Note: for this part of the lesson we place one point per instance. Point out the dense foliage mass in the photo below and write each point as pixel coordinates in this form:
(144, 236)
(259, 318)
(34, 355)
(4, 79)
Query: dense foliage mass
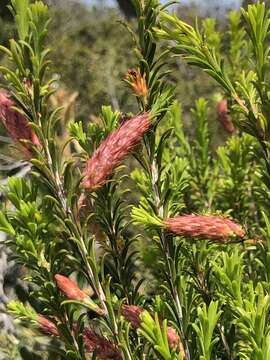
(135, 239)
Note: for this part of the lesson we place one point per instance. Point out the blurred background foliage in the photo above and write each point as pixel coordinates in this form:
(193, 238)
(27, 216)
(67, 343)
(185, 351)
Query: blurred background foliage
(92, 52)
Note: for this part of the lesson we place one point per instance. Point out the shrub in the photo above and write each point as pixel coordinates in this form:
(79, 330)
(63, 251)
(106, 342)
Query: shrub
(77, 223)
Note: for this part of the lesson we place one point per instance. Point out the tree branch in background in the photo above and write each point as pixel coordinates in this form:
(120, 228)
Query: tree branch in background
(4, 11)
(127, 8)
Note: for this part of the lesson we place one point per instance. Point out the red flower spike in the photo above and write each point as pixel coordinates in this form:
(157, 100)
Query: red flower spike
(113, 150)
(69, 288)
(204, 226)
(16, 125)
(224, 118)
(132, 314)
(105, 349)
(47, 326)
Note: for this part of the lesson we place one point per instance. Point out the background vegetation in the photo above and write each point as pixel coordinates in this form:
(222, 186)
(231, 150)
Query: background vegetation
(217, 165)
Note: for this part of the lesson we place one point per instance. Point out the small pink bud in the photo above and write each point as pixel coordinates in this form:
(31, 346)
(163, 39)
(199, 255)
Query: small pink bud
(47, 326)
(175, 342)
(173, 338)
(204, 226)
(69, 288)
(224, 117)
(16, 125)
(105, 349)
(73, 292)
(113, 150)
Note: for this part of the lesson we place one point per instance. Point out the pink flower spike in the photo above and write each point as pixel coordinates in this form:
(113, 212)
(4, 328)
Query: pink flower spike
(16, 125)
(204, 226)
(113, 150)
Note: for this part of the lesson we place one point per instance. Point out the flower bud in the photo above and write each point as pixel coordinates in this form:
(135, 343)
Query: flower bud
(224, 118)
(137, 82)
(47, 326)
(16, 125)
(175, 342)
(132, 314)
(105, 349)
(173, 338)
(204, 226)
(69, 288)
(73, 292)
(113, 150)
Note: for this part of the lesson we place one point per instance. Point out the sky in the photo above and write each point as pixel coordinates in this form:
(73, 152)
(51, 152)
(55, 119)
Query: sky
(205, 3)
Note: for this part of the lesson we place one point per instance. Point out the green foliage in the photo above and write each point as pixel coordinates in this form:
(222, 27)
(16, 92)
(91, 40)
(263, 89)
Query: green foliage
(18, 309)
(156, 334)
(213, 296)
(19, 9)
(207, 320)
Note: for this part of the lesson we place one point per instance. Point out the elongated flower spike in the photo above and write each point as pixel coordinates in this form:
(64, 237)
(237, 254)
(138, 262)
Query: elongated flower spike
(16, 125)
(132, 314)
(73, 292)
(215, 228)
(204, 226)
(104, 348)
(113, 150)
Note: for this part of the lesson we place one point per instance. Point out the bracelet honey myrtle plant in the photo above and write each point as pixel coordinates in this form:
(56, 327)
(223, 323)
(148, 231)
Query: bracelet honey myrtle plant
(59, 212)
